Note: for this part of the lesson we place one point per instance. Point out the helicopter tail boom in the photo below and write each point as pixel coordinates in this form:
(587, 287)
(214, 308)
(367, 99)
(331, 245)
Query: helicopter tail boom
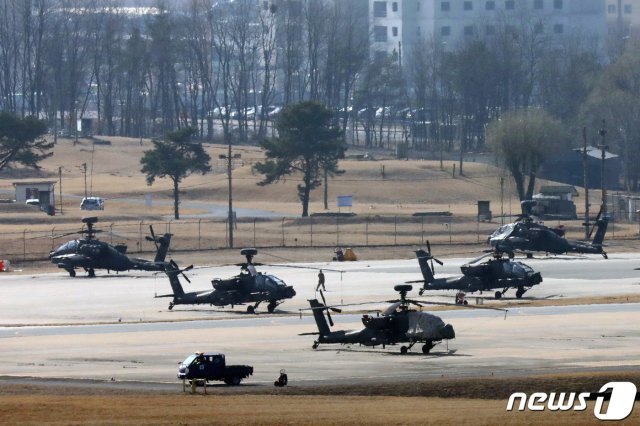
(423, 261)
(175, 281)
(318, 315)
(601, 230)
(163, 248)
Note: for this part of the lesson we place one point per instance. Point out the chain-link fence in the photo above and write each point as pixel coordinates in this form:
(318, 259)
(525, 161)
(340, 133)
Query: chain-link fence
(35, 242)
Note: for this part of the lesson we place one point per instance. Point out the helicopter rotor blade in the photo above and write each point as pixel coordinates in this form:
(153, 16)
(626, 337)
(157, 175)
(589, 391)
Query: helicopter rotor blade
(153, 236)
(328, 310)
(431, 257)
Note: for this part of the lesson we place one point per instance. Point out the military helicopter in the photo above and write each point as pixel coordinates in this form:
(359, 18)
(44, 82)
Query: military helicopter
(528, 234)
(397, 324)
(249, 286)
(497, 272)
(90, 253)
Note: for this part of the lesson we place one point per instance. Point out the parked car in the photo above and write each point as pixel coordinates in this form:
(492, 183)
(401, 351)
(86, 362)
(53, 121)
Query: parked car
(92, 203)
(33, 202)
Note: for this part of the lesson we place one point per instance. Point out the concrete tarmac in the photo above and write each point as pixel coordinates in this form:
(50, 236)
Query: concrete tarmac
(112, 327)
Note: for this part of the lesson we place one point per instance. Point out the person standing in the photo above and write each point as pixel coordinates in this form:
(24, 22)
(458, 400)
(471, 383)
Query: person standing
(320, 281)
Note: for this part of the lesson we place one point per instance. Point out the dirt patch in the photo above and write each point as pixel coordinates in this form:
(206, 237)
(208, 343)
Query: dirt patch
(480, 400)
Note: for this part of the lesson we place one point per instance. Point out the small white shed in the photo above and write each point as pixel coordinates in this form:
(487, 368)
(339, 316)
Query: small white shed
(43, 190)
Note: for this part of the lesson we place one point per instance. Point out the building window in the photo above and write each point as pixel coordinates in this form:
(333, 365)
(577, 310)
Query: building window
(538, 28)
(394, 31)
(468, 30)
(490, 30)
(379, 9)
(490, 5)
(467, 5)
(380, 34)
(558, 28)
(538, 4)
(627, 9)
(557, 4)
(445, 31)
(509, 4)
(394, 6)
(611, 9)
(445, 6)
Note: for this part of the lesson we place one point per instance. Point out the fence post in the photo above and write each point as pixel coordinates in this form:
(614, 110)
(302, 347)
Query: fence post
(283, 232)
(337, 231)
(53, 240)
(421, 230)
(311, 230)
(140, 237)
(254, 231)
(199, 234)
(111, 233)
(24, 245)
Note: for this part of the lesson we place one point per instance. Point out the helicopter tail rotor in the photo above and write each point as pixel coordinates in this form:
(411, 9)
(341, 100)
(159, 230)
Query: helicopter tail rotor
(324, 303)
(177, 270)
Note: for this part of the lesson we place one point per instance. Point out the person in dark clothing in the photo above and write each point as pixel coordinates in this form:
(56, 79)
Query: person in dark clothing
(320, 281)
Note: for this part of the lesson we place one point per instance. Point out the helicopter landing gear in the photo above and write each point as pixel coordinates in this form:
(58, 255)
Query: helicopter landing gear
(498, 295)
(529, 255)
(315, 344)
(520, 292)
(511, 255)
(72, 272)
(421, 291)
(405, 349)
(426, 348)
(272, 306)
(170, 305)
(251, 309)
(92, 273)
(604, 254)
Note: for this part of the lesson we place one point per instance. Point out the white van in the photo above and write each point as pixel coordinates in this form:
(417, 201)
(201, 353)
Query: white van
(92, 203)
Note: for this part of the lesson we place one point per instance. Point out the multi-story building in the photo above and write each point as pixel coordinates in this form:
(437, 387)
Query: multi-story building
(623, 17)
(396, 25)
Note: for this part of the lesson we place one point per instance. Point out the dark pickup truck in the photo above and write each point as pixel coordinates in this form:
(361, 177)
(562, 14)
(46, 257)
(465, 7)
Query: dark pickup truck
(202, 367)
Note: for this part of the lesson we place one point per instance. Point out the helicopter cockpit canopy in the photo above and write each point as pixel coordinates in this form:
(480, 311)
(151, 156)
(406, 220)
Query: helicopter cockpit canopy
(517, 269)
(68, 247)
(504, 231)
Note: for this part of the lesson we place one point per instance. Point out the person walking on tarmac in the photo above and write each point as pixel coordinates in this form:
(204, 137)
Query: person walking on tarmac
(320, 281)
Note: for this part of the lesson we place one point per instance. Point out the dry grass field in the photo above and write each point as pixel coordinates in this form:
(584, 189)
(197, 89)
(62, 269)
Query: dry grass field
(477, 401)
(384, 204)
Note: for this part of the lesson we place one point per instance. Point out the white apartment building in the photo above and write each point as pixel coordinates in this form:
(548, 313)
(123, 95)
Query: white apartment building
(396, 25)
(623, 17)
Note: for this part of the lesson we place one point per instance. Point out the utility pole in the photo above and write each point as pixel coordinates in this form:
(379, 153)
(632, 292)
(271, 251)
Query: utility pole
(60, 186)
(84, 170)
(585, 164)
(603, 147)
(230, 218)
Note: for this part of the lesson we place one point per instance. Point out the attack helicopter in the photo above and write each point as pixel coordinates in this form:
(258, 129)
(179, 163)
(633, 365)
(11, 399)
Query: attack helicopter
(497, 272)
(399, 323)
(89, 253)
(527, 234)
(249, 286)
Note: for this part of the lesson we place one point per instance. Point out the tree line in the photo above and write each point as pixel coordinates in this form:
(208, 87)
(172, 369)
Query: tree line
(200, 62)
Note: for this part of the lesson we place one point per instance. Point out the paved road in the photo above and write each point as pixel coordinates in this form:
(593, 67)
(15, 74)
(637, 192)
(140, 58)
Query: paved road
(150, 341)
